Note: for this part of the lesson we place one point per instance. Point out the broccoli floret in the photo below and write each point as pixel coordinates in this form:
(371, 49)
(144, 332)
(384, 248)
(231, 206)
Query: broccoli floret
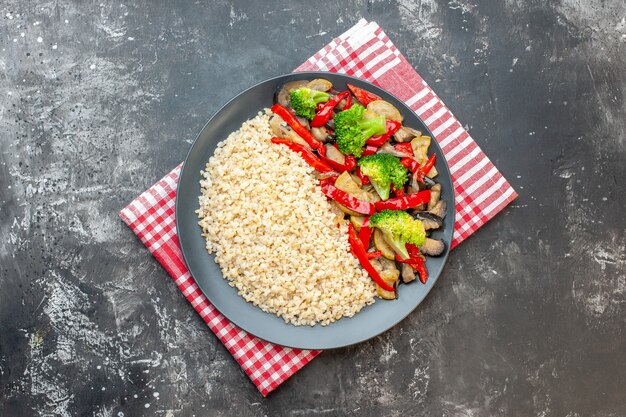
(383, 170)
(304, 101)
(399, 228)
(353, 130)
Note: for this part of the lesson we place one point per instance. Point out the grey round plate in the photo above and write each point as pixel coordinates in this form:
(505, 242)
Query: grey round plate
(372, 320)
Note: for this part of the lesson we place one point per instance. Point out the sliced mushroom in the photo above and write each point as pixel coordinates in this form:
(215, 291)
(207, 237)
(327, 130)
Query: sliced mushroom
(435, 194)
(408, 273)
(406, 134)
(282, 97)
(382, 245)
(322, 134)
(283, 130)
(439, 209)
(320, 84)
(429, 220)
(386, 109)
(432, 247)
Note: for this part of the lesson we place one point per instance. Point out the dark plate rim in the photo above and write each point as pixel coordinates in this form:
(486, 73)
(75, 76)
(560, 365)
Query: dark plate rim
(451, 211)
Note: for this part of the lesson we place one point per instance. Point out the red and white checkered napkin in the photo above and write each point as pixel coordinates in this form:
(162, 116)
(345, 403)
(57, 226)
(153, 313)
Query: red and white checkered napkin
(366, 52)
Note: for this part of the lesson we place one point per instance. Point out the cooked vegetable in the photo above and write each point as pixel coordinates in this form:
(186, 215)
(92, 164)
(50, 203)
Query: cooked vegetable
(365, 234)
(432, 247)
(281, 129)
(435, 194)
(382, 245)
(406, 134)
(429, 220)
(319, 84)
(353, 130)
(345, 199)
(305, 153)
(416, 261)
(365, 97)
(385, 109)
(346, 183)
(302, 131)
(408, 273)
(360, 253)
(283, 95)
(338, 161)
(390, 275)
(399, 228)
(324, 114)
(378, 141)
(439, 209)
(383, 171)
(304, 101)
(404, 203)
(322, 134)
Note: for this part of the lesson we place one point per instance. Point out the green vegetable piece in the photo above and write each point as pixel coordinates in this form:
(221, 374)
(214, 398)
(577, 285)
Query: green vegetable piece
(399, 228)
(353, 130)
(304, 101)
(384, 170)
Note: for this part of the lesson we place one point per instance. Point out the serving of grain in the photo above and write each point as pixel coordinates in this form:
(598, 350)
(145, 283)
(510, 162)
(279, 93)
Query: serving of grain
(273, 233)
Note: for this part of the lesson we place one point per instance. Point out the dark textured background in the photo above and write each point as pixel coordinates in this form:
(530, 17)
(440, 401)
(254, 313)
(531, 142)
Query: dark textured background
(100, 99)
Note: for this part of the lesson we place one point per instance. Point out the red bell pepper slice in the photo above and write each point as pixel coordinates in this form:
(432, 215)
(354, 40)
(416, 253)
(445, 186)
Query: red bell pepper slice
(404, 148)
(398, 192)
(364, 178)
(305, 153)
(410, 164)
(415, 261)
(348, 102)
(323, 116)
(428, 165)
(359, 252)
(348, 165)
(404, 203)
(365, 234)
(345, 199)
(302, 131)
(369, 150)
(375, 254)
(365, 97)
(392, 127)
(420, 171)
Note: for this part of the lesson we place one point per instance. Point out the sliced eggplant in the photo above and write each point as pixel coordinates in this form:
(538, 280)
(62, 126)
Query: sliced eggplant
(406, 134)
(432, 247)
(435, 194)
(408, 273)
(429, 220)
(439, 209)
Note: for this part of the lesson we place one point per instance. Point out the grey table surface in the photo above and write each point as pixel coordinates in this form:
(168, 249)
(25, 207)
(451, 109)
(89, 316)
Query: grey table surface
(100, 99)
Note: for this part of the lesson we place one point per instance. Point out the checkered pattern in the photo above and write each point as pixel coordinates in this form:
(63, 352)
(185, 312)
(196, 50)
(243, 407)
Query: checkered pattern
(364, 51)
